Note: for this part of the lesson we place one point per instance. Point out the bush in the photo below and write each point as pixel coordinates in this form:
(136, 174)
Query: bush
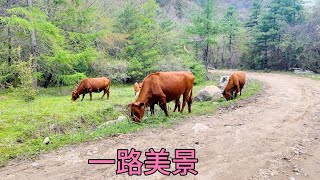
(183, 63)
(25, 76)
(171, 63)
(72, 79)
(197, 68)
(116, 70)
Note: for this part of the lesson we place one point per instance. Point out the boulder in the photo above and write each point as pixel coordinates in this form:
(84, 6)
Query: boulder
(120, 119)
(223, 82)
(208, 93)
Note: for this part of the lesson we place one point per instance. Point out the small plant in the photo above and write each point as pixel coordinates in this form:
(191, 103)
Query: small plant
(27, 87)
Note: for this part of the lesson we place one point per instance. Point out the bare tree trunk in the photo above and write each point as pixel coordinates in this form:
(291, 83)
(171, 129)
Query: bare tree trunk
(205, 56)
(9, 46)
(33, 48)
(8, 5)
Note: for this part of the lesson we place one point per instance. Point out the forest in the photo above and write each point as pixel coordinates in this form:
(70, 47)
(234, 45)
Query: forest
(47, 43)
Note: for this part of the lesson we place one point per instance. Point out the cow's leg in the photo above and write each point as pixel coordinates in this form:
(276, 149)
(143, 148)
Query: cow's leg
(108, 93)
(90, 96)
(177, 105)
(163, 105)
(82, 97)
(152, 109)
(104, 92)
(190, 101)
(185, 98)
(237, 91)
(240, 90)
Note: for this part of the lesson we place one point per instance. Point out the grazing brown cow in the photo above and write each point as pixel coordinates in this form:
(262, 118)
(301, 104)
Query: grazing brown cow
(235, 84)
(160, 88)
(90, 85)
(137, 87)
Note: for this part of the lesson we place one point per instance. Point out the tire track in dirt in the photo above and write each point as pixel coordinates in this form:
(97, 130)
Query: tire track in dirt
(265, 137)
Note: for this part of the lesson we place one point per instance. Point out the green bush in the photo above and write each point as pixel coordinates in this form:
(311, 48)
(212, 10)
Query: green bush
(72, 79)
(116, 70)
(26, 87)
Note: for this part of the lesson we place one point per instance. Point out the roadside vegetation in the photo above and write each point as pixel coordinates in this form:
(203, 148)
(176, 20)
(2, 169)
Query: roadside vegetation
(24, 125)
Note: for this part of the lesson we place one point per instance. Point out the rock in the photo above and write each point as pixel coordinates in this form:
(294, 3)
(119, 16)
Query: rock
(120, 119)
(208, 93)
(292, 178)
(199, 128)
(296, 169)
(300, 71)
(35, 165)
(46, 140)
(223, 82)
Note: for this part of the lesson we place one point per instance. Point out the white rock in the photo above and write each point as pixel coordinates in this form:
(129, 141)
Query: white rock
(46, 140)
(292, 178)
(200, 128)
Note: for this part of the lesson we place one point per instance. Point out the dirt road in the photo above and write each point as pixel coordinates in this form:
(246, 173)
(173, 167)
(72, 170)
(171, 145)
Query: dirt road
(274, 135)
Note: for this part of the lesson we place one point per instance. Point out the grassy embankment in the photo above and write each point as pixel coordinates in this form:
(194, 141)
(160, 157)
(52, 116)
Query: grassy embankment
(24, 125)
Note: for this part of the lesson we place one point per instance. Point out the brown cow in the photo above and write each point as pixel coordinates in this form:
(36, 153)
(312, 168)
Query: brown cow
(137, 87)
(160, 88)
(236, 82)
(90, 85)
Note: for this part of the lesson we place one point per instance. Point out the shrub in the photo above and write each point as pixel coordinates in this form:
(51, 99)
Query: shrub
(116, 70)
(25, 75)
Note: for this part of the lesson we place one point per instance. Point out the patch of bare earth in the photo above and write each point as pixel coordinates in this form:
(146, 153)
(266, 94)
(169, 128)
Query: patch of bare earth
(274, 135)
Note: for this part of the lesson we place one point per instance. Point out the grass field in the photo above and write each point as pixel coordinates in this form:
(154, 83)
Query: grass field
(24, 125)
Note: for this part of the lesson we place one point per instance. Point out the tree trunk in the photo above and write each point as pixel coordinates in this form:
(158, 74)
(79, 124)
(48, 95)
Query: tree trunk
(9, 46)
(33, 49)
(8, 5)
(205, 56)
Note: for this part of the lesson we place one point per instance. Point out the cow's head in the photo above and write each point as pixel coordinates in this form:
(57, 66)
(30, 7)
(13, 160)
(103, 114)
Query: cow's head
(137, 111)
(75, 95)
(227, 95)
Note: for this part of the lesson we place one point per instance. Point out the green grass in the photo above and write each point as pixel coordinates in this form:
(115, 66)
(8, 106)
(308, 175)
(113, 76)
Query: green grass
(24, 125)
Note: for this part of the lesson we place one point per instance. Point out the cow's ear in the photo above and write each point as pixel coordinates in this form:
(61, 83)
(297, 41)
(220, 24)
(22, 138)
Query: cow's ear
(141, 104)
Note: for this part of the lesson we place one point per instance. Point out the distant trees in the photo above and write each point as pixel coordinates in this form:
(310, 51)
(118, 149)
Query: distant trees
(64, 41)
(272, 47)
(203, 31)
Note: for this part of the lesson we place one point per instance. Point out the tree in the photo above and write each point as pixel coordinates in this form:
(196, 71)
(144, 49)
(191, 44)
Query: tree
(231, 26)
(203, 30)
(269, 33)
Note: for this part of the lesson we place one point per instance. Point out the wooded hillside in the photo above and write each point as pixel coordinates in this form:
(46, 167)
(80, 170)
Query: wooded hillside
(58, 42)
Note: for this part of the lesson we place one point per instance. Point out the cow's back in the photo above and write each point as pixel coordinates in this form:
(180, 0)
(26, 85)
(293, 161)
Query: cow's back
(99, 83)
(172, 84)
(241, 77)
(237, 77)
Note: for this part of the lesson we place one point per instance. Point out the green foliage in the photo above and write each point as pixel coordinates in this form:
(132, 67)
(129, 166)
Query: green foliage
(231, 24)
(25, 76)
(71, 79)
(203, 30)
(269, 45)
